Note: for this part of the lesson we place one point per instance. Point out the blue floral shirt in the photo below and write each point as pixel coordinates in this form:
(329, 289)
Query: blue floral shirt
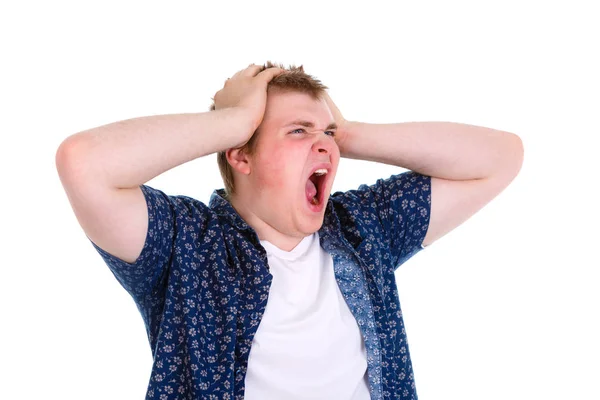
(202, 281)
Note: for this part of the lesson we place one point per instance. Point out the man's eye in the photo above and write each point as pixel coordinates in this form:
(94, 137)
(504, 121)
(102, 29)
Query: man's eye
(330, 133)
(299, 130)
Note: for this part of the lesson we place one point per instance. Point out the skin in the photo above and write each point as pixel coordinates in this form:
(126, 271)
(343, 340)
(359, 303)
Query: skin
(103, 168)
(469, 165)
(270, 183)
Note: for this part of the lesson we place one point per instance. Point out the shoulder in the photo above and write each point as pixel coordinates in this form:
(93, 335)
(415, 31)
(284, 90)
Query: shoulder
(407, 186)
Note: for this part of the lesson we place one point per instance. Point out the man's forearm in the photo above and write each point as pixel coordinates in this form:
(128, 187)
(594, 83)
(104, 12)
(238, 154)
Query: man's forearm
(441, 149)
(129, 153)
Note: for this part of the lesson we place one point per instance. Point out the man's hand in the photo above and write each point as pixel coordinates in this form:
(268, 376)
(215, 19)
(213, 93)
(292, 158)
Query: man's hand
(341, 132)
(247, 91)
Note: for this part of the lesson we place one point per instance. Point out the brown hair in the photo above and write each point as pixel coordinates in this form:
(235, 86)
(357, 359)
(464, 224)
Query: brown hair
(294, 79)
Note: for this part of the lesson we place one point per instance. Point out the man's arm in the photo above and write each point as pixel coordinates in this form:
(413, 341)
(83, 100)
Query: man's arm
(469, 165)
(101, 169)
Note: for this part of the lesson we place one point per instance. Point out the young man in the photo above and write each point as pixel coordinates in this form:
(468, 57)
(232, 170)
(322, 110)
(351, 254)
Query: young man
(277, 290)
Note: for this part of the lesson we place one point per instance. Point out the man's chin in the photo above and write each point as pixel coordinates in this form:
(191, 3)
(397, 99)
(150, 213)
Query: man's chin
(310, 227)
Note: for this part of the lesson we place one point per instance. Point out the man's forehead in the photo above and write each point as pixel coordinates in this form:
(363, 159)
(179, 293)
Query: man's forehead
(308, 123)
(287, 109)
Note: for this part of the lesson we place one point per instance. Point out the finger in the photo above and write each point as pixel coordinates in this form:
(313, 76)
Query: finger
(251, 70)
(268, 74)
(238, 73)
(243, 71)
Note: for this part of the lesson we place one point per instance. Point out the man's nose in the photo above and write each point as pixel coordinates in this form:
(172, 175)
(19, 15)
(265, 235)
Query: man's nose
(323, 144)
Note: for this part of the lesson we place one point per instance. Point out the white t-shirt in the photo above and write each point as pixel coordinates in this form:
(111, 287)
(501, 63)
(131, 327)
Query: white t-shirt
(308, 344)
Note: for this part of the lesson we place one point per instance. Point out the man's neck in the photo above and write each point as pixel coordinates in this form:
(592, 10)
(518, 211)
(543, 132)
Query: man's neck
(263, 229)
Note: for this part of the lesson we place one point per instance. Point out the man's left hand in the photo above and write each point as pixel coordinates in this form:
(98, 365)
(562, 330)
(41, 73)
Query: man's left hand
(340, 134)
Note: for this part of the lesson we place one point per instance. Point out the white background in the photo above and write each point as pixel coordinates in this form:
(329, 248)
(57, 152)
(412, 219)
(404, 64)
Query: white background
(504, 307)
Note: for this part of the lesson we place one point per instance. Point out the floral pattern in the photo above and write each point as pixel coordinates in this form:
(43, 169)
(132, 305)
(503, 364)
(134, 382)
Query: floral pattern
(202, 281)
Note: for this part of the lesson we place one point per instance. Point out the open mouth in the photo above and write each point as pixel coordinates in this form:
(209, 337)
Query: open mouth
(315, 187)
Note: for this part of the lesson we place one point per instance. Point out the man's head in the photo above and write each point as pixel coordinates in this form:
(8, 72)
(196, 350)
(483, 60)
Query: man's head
(294, 79)
(281, 179)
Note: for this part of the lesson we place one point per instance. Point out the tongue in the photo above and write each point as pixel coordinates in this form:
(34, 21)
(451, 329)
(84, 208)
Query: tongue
(311, 190)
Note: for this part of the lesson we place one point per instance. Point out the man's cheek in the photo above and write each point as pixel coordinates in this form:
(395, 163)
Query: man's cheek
(277, 180)
(274, 174)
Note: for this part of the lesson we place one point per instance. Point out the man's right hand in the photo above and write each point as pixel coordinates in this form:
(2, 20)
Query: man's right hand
(103, 168)
(247, 91)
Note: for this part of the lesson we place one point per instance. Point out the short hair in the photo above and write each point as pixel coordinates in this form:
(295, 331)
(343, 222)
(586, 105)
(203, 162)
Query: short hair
(293, 79)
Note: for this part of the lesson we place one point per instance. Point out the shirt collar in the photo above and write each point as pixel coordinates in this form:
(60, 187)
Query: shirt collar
(220, 205)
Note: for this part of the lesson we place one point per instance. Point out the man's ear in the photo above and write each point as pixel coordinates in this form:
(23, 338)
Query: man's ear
(239, 160)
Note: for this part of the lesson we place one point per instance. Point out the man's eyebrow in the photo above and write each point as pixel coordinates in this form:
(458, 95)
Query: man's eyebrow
(309, 124)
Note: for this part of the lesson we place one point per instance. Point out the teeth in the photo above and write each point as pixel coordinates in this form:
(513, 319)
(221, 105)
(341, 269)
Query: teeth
(322, 171)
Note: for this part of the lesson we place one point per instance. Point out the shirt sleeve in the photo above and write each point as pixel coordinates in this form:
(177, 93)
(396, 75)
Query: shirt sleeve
(145, 277)
(401, 206)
